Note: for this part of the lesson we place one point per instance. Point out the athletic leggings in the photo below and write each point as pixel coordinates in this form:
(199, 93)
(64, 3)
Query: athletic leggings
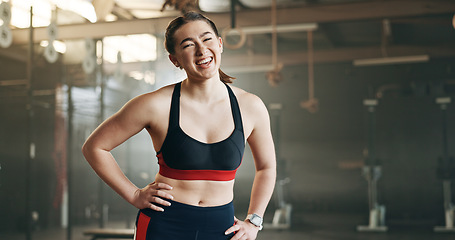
(185, 222)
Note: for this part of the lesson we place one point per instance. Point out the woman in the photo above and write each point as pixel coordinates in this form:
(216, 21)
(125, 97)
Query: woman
(199, 128)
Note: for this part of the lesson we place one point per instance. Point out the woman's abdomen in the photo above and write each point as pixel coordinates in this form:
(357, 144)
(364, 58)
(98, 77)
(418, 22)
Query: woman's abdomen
(199, 192)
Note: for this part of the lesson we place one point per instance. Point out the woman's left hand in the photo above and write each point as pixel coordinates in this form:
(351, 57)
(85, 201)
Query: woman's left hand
(243, 230)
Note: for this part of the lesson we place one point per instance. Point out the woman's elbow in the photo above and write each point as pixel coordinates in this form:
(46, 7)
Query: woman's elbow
(86, 149)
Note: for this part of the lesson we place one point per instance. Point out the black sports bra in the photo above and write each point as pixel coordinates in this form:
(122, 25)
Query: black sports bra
(185, 158)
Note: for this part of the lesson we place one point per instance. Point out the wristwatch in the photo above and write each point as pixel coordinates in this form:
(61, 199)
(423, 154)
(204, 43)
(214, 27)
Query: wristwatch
(255, 219)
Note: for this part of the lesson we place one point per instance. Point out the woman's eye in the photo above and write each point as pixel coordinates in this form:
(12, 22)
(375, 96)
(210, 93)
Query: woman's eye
(187, 45)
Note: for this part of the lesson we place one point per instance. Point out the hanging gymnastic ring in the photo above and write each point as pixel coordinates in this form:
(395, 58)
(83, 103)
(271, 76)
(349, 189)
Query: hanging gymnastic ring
(239, 44)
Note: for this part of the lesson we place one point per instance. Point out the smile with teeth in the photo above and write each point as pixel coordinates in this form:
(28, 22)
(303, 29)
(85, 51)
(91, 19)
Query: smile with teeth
(204, 61)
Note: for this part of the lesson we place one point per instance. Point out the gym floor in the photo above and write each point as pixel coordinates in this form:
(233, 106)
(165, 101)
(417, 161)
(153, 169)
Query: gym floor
(305, 227)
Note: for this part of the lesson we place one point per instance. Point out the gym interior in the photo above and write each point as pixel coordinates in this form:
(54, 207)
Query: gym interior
(360, 95)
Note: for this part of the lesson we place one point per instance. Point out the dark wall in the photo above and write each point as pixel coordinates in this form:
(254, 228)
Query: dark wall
(16, 131)
(324, 152)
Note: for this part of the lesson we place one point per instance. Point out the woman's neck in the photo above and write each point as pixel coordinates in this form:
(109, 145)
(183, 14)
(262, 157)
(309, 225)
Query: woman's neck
(205, 91)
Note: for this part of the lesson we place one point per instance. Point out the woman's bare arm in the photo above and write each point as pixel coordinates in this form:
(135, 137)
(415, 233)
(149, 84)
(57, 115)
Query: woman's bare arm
(131, 119)
(262, 147)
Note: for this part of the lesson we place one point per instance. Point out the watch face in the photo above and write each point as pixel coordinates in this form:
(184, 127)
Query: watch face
(256, 220)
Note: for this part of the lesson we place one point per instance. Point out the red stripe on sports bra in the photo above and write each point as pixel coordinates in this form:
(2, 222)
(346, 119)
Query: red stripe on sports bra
(141, 227)
(210, 175)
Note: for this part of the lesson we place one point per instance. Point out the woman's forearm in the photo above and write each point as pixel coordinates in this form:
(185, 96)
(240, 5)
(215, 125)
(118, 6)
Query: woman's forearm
(263, 185)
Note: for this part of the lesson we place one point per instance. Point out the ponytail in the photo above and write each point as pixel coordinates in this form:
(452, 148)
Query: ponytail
(224, 77)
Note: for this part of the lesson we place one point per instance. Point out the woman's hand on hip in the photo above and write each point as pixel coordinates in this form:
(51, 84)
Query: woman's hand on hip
(151, 195)
(243, 230)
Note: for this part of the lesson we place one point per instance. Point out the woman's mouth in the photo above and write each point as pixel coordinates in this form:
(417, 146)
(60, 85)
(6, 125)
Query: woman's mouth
(204, 61)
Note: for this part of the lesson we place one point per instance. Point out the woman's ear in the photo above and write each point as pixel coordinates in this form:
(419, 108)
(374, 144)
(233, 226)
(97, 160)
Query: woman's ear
(174, 61)
(220, 43)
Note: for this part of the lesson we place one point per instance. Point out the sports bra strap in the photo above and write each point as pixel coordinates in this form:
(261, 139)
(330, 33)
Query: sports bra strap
(174, 115)
(235, 109)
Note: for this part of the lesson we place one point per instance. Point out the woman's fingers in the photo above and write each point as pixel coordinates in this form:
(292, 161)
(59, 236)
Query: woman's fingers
(162, 194)
(162, 186)
(231, 230)
(242, 230)
(159, 200)
(154, 195)
(156, 208)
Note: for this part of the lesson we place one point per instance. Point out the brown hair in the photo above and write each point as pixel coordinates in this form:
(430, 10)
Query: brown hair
(174, 25)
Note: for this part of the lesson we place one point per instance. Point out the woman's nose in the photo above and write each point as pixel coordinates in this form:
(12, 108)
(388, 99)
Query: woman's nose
(201, 50)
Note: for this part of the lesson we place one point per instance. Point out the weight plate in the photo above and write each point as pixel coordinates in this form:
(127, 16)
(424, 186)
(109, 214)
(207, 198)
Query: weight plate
(50, 53)
(5, 13)
(6, 36)
(52, 31)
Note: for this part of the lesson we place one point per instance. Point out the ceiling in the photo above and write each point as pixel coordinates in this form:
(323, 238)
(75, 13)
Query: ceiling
(346, 29)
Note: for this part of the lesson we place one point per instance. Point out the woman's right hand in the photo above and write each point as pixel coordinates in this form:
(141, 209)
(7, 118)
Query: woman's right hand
(151, 195)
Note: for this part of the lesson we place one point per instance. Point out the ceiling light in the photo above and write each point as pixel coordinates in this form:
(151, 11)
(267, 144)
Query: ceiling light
(133, 48)
(58, 45)
(214, 6)
(391, 60)
(110, 18)
(20, 13)
(83, 8)
(42, 11)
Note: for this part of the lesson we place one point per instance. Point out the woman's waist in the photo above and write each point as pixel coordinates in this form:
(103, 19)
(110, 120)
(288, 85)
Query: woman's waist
(199, 193)
(184, 217)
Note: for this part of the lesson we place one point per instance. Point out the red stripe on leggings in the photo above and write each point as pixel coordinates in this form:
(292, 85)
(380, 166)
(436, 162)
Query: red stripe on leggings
(141, 227)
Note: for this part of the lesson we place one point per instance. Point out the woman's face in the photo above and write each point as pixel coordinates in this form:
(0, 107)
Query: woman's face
(197, 50)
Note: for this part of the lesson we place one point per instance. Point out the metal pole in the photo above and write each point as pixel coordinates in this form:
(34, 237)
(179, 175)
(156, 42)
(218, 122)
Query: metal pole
(445, 149)
(31, 148)
(372, 173)
(69, 156)
(446, 163)
(102, 209)
(233, 4)
(371, 136)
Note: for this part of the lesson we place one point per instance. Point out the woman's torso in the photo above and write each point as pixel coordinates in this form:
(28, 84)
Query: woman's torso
(195, 123)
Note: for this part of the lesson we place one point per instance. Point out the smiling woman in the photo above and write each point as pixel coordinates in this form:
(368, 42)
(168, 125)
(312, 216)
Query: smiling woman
(191, 17)
(199, 128)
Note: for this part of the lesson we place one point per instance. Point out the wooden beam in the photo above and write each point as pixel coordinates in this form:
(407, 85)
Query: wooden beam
(338, 55)
(250, 18)
(263, 62)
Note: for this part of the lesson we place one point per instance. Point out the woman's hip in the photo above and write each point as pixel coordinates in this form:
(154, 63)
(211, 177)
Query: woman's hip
(183, 221)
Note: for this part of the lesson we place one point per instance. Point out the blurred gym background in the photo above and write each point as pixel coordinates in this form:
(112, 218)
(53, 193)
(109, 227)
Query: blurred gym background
(360, 95)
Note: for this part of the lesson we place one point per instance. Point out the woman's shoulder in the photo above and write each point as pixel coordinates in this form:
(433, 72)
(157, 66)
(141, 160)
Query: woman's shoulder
(252, 107)
(156, 96)
(152, 101)
(254, 112)
(246, 98)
